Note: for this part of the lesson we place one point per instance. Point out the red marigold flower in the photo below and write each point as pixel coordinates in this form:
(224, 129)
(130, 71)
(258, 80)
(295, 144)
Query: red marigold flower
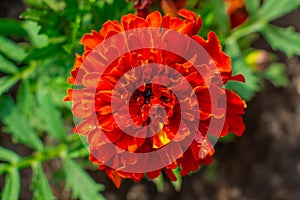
(149, 91)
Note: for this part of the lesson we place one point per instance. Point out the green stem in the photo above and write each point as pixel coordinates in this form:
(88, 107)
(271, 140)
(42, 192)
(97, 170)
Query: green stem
(49, 154)
(249, 28)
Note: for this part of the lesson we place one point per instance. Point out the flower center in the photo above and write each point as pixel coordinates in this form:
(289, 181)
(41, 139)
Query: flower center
(147, 93)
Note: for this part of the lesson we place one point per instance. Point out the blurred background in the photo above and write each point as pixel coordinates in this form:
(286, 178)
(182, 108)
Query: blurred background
(42, 159)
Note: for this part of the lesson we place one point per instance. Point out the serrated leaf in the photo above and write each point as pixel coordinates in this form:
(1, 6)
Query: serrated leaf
(275, 73)
(40, 186)
(283, 39)
(55, 5)
(7, 82)
(31, 14)
(11, 27)
(7, 66)
(8, 155)
(81, 184)
(33, 3)
(11, 188)
(12, 50)
(51, 116)
(273, 9)
(3, 168)
(220, 16)
(41, 53)
(17, 125)
(33, 29)
(25, 98)
(248, 89)
(245, 90)
(252, 6)
(177, 184)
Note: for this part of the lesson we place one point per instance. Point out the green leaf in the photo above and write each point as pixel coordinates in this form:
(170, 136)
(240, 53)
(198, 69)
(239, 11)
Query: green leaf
(245, 90)
(228, 138)
(81, 184)
(7, 82)
(33, 29)
(7, 66)
(40, 186)
(248, 89)
(275, 73)
(31, 14)
(11, 27)
(273, 9)
(12, 50)
(51, 116)
(25, 99)
(177, 184)
(252, 6)
(55, 5)
(159, 182)
(3, 168)
(33, 3)
(11, 188)
(221, 17)
(17, 125)
(8, 155)
(283, 39)
(41, 53)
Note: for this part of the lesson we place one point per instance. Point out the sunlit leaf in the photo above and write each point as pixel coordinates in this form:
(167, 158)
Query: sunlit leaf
(3, 167)
(81, 184)
(177, 184)
(8, 155)
(221, 17)
(273, 9)
(276, 75)
(31, 14)
(7, 82)
(11, 188)
(17, 125)
(51, 116)
(283, 39)
(252, 6)
(25, 99)
(55, 5)
(42, 53)
(37, 39)
(159, 182)
(11, 27)
(7, 66)
(12, 50)
(40, 184)
(245, 90)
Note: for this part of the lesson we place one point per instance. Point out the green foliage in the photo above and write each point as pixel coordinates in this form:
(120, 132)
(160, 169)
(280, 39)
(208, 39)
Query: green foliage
(82, 185)
(42, 189)
(12, 185)
(274, 74)
(273, 9)
(177, 184)
(252, 6)
(7, 66)
(17, 125)
(37, 52)
(283, 39)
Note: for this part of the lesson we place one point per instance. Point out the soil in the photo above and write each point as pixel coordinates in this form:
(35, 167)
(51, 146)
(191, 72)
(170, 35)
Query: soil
(262, 164)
